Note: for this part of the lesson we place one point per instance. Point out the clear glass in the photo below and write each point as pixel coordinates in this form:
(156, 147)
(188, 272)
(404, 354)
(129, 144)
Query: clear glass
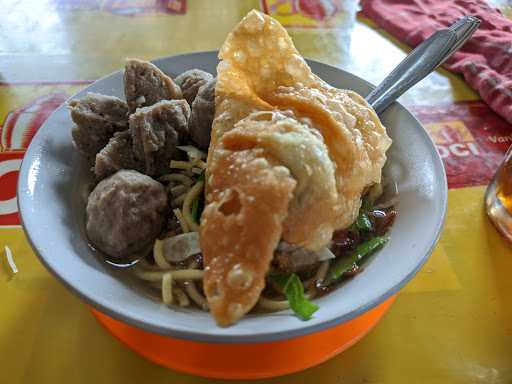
(498, 197)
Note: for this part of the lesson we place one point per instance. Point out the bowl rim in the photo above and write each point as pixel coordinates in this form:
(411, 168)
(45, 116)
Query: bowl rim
(242, 337)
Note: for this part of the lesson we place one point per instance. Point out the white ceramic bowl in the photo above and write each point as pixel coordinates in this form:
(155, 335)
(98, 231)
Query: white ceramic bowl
(53, 213)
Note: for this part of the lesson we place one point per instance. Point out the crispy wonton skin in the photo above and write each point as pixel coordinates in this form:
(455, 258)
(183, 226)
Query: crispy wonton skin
(271, 109)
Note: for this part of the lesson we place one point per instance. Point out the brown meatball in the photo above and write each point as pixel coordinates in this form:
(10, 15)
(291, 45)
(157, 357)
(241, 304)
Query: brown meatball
(117, 154)
(125, 214)
(145, 85)
(190, 81)
(97, 117)
(156, 131)
(201, 117)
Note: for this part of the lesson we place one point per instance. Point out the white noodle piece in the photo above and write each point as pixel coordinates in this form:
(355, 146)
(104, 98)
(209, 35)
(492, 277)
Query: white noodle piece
(10, 260)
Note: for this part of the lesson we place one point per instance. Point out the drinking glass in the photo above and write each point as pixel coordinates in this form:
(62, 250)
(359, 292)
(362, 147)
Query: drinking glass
(498, 197)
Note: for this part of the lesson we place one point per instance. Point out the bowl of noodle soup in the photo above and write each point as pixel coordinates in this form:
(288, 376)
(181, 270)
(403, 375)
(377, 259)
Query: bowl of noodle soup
(54, 179)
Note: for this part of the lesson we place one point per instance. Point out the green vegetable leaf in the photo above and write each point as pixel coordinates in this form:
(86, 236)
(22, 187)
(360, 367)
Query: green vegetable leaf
(363, 223)
(195, 210)
(198, 204)
(294, 290)
(347, 263)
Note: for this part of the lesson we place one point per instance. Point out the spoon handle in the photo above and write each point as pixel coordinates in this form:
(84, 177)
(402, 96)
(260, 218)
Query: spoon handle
(421, 61)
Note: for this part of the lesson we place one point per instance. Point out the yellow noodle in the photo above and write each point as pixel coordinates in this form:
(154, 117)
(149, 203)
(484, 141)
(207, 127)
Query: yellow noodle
(273, 305)
(158, 255)
(179, 199)
(143, 265)
(167, 289)
(152, 276)
(200, 164)
(183, 300)
(192, 194)
(180, 164)
(177, 177)
(182, 221)
(178, 189)
(177, 275)
(321, 272)
(193, 293)
(276, 305)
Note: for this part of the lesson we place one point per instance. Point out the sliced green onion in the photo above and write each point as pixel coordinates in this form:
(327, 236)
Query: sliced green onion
(348, 263)
(363, 222)
(198, 204)
(195, 210)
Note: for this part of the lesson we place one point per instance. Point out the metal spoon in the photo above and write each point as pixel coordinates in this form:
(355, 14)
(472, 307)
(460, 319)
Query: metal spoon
(426, 57)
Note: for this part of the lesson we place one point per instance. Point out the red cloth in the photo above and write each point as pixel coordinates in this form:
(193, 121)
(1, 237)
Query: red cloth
(485, 60)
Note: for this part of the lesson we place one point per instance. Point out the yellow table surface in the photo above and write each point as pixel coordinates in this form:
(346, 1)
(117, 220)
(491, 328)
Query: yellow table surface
(451, 324)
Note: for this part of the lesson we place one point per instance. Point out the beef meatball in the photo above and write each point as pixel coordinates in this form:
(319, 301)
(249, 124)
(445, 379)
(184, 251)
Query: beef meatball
(97, 117)
(125, 214)
(201, 117)
(145, 85)
(190, 81)
(156, 131)
(117, 154)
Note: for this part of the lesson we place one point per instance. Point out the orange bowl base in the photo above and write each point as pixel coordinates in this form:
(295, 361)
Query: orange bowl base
(245, 361)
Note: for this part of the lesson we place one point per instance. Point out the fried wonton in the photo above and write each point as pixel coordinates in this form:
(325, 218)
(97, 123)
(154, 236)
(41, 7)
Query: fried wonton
(317, 149)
